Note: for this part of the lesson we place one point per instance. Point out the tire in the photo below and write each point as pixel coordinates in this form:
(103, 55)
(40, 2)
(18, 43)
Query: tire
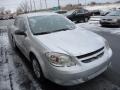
(102, 25)
(86, 20)
(82, 20)
(77, 21)
(38, 74)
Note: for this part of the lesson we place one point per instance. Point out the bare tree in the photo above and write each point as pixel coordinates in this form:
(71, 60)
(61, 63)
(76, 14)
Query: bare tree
(8, 11)
(2, 10)
(46, 3)
(24, 7)
(78, 1)
(40, 4)
(93, 3)
(31, 5)
(19, 10)
(34, 5)
(59, 3)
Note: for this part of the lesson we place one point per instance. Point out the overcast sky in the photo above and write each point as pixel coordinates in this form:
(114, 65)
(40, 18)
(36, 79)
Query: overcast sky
(13, 4)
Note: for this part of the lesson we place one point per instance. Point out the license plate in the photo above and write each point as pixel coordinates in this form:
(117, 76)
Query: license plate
(97, 73)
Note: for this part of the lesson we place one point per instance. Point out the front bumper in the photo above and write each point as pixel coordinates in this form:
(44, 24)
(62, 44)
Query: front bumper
(109, 23)
(80, 73)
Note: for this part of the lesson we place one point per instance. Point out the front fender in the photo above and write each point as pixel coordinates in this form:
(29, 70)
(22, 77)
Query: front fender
(40, 60)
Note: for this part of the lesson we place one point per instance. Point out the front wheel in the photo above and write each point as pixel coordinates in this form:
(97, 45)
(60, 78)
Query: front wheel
(86, 20)
(37, 69)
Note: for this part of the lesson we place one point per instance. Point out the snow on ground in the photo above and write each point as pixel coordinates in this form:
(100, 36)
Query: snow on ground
(4, 72)
(95, 19)
(14, 75)
(5, 23)
(95, 26)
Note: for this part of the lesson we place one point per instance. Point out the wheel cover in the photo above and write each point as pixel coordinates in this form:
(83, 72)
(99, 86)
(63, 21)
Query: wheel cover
(81, 21)
(36, 69)
(86, 19)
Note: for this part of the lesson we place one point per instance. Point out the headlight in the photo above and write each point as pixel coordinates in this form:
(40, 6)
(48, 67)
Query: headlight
(59, 59)
(107, 44)
(101, 20)
(114, 20)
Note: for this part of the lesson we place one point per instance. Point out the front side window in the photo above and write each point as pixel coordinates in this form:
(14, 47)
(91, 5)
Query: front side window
(70, 12)
(49, 23)
(22, 25)
(80, 11)
(19, 23)
(114, 13)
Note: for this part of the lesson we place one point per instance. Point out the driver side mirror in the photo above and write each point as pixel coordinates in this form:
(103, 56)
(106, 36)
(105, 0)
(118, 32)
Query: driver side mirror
(19, 32)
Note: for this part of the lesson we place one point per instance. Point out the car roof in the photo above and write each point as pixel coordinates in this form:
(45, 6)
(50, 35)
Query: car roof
(37, 14)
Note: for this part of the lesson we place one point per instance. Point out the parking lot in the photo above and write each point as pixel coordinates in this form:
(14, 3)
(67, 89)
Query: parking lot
(16, 73)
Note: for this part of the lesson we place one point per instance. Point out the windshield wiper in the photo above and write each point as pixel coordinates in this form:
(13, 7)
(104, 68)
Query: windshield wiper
(64, 29)
(113, 15)
(42, 33)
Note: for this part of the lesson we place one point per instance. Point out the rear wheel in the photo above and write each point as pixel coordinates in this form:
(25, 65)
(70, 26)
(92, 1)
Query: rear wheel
(102, 25)
(119, 24)
(37, 69)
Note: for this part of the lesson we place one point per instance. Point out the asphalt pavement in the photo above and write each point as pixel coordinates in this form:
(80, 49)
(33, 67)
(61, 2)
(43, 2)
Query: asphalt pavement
(16, 73)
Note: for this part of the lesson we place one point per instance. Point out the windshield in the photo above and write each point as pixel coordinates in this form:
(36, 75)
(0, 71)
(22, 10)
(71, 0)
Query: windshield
(48, 24)
(70, 12)
(114, 13)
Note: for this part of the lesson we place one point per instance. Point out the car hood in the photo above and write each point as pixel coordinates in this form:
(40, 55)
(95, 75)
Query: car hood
(111, 17)
(75, 42)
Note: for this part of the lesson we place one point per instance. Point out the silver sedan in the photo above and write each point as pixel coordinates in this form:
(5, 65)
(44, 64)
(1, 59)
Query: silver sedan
(58, 49)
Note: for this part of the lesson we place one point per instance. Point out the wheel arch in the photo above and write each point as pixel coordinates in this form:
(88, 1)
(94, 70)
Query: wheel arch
(41, 62)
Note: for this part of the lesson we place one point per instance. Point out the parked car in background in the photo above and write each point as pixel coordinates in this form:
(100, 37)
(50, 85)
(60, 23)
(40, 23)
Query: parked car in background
(105, 12)
(61, 12)
(99, 12)
(79, 15)
(111, 19)
(95, 12)
(58, 49)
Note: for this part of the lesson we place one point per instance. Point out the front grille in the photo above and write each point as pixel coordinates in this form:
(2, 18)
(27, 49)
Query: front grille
(107, 19)
(99, 53)
(93, 58)
(90, 54)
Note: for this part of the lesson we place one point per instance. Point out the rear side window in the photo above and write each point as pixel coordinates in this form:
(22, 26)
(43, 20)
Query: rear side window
(80, 11)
